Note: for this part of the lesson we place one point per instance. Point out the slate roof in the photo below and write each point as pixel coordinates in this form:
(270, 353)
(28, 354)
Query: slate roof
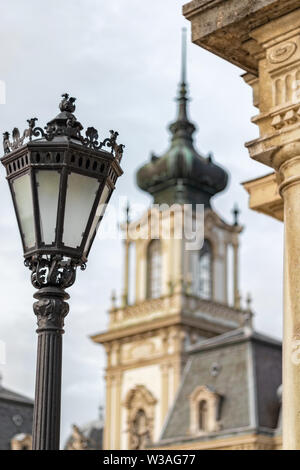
(249, 375)
(16, 414)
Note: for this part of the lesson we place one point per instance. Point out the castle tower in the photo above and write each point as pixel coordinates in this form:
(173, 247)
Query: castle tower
(181, 294)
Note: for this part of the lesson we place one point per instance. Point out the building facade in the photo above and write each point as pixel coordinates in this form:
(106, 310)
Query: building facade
(229, 396)
(182, 309)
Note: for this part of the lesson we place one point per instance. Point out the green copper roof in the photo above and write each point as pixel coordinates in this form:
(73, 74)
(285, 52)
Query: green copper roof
(182, 175)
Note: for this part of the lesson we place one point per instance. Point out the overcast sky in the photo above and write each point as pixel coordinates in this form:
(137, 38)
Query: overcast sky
(121, 60)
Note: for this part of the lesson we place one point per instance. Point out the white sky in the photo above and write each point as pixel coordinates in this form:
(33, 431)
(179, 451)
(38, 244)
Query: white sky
(121, 60)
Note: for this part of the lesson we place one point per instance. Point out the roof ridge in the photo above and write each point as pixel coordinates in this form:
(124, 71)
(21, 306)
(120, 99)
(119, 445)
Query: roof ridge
(8, 394)
(244, 332)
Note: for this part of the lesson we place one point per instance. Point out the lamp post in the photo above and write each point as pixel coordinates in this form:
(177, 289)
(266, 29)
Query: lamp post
(60, 182)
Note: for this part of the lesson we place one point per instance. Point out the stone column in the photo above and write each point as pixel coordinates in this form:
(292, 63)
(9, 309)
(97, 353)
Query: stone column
(107, 423)
(106, 430)
(138, 254)
(165, 391)
(118, 407)
(225, 273)
(289, 160)
(126, 272)
(279, 147)
(236, 293)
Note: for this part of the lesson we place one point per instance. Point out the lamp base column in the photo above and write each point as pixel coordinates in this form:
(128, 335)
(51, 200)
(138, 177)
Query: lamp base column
(50, 310)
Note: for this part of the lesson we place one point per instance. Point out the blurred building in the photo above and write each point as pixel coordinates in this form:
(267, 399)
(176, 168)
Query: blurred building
(185, 369)
(16, 413)
(86, 437)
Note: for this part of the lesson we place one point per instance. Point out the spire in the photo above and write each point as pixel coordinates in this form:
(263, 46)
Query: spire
(182, 127)
(182, 96)
(183, 55)
(182, 174)
(236, 212)
(127, 212)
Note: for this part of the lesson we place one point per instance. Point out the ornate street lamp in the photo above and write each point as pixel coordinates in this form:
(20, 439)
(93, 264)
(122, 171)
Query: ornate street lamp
(60, 182)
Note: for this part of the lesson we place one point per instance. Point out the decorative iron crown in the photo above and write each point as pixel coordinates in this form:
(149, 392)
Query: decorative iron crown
(65, 124)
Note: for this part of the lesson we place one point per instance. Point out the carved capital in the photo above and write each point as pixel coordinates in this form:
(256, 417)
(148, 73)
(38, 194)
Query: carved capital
(286, 162)
(286, 153)
(50, 309)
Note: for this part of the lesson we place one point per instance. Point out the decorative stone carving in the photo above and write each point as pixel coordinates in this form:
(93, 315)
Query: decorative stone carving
(140, 404)
(78, 440)
(21, 442)
(140, 350)
(282, 53)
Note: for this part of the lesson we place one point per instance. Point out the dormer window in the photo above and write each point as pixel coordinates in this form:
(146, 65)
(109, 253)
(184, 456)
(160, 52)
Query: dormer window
(154, 278)
(203, 416)
(204, 411)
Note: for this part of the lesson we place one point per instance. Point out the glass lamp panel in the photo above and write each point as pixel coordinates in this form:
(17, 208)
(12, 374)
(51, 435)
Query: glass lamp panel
(98, 217)
(48, 193)
(24, 207)
(81, 193)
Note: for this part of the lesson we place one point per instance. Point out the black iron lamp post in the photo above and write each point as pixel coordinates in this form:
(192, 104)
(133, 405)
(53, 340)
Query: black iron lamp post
(60, 183)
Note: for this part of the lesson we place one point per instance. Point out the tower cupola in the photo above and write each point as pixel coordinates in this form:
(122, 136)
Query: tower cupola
(182, 174)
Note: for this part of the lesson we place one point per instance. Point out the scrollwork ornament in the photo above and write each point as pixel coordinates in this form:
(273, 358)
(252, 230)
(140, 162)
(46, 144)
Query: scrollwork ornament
(17, 139)
(65, 124)
(111, 142)
(91, 139)
(282, 53)
(52, 271)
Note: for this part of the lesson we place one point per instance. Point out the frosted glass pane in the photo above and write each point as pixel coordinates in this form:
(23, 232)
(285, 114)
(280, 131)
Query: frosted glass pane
(48, 191)
(99, 214)
(81, 193)
(23, 196)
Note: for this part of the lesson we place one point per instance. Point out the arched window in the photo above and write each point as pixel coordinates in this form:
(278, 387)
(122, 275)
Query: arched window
(204, 410)
(205, 271)
(154, 270)
(202, 415)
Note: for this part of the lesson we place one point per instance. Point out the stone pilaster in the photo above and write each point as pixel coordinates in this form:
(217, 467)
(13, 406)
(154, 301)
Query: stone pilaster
(236, 293)
(126, 273)
(165, 391)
